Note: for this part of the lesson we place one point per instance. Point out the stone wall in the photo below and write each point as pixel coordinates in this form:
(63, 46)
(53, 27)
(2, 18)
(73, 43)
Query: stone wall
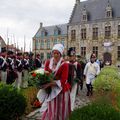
(89, 42)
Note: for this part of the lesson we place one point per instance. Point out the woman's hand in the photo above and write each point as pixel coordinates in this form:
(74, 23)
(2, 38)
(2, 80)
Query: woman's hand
(47, 72)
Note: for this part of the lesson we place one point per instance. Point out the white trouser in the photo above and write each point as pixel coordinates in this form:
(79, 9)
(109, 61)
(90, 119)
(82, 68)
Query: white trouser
(73, 95)
(25, 79)
(90, 79)
(18, 80)
(4, 76)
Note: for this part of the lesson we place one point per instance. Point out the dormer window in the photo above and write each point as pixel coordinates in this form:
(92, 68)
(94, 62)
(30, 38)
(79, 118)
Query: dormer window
(84, 14)
(108, 11)
(84, 17)
(57, 31)
(44, 33)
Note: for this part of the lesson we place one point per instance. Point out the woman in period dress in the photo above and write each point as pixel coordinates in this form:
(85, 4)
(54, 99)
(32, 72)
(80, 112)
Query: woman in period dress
(56, 105)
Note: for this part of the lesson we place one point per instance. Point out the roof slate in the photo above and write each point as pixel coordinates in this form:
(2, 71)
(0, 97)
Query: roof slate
(95, 9)
(50, 30)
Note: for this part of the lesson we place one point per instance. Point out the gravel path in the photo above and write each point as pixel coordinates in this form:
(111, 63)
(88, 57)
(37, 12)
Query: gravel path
(81, 100)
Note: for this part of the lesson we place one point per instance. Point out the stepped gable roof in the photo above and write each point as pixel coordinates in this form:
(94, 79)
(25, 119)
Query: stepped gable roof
(96, 10)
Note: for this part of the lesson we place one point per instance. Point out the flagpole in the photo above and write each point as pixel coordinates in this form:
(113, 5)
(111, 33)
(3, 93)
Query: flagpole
(24, 43)
(30, 46)
(7, 41)
(17, 46)
(14, 43)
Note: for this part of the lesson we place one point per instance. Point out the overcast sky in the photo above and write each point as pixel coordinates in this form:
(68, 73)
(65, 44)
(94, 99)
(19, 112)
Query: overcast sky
(20, 19)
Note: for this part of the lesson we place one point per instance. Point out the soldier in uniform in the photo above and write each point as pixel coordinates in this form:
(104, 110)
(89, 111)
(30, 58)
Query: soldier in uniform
(31, 61)
(76, 75)
(25, 70)
(38, 61)
(11, 76)
(3, 65)
(19, 68)
(82, 62)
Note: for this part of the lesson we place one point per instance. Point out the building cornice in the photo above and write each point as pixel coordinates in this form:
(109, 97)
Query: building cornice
(95, 21)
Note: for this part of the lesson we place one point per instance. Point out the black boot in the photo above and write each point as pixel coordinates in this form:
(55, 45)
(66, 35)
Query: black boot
(81, 85)
(91, 89)
(88, 89)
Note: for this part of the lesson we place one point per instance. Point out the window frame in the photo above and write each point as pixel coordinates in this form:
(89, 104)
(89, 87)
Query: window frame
(83, 51)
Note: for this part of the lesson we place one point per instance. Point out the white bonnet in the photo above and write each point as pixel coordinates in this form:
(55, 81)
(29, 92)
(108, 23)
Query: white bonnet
(58, 47)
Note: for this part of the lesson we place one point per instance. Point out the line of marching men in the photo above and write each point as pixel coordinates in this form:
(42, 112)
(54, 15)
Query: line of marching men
(15, 68)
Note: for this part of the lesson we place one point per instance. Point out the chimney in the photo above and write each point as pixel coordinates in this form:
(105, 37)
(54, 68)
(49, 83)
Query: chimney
(41, 25)
(77, 1)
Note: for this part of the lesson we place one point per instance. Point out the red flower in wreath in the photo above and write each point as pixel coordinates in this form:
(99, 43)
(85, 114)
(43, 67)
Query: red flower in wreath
(36, 103)
(34, 74)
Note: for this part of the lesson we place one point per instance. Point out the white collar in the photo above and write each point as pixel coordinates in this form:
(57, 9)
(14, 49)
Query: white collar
(58, 64)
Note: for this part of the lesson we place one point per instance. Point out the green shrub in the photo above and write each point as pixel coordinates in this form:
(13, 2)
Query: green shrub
(107, 85)
(108, 80)
(30, 94)
(12, 103)
(95, 111)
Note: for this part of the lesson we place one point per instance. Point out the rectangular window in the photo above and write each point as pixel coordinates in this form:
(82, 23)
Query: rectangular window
(108, 13)
(118, 31)
(83, 33)
(37, 44)
(55, 41)
(42, 56)
(84, 17)
(48, 55)
(48, 44)
(42, 44)
(95, 33)
(63, 42)
(95, 50)
(118, 53)
(107, 32)
(83, 51)
(73, 34)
